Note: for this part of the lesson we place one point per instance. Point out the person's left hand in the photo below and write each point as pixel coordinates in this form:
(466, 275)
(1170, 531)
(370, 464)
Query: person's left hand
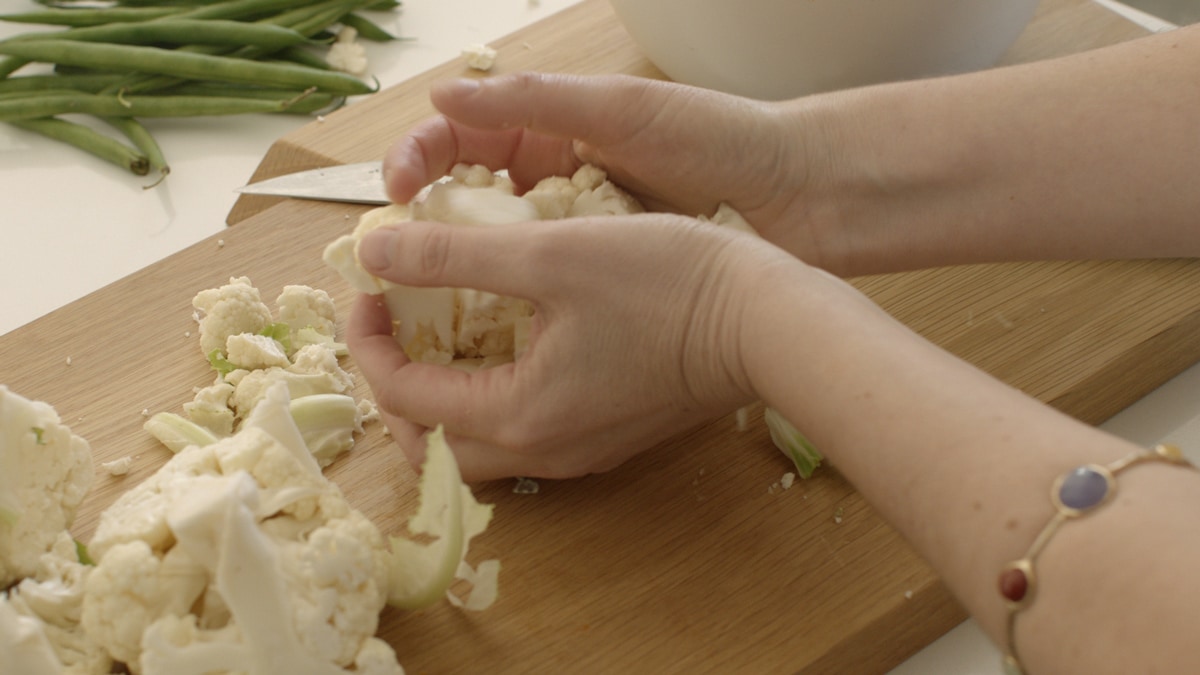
(635, 338)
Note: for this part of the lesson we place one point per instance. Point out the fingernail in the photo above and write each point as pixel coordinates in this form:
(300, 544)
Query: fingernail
(375, 250)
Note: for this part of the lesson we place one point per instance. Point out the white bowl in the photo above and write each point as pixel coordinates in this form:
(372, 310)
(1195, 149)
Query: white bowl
(778, 49)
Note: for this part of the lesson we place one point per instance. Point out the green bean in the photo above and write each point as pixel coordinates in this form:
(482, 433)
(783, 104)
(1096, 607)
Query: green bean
(240, 9)
(300, 102)
(91, 82)
(367, 29)
(89, 140)
(183, 64)
(224, 32)
(302, 56)
(33, 107)
(10, 95)
(314, 18)
(10, 65)
(90, 16)
(144, 142)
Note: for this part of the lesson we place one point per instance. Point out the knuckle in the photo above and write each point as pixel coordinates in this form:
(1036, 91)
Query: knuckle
(433, 253)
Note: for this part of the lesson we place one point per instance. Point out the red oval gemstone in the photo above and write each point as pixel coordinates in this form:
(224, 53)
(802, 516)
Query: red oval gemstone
(1013, 584)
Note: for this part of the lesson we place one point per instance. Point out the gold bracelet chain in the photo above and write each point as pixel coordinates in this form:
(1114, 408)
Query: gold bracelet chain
(1075, 494)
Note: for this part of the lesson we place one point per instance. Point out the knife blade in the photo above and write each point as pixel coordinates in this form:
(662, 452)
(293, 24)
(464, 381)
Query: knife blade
(360, 183)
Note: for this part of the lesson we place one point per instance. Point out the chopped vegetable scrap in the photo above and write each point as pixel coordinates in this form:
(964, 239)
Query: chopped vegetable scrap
(251, 348)
(236, 556)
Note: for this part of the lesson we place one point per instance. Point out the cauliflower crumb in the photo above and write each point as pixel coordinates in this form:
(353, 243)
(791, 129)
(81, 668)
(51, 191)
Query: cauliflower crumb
(118, 467)
(479, 57)
(368, 410)
(525, 486)
(908, 595)
(346, 54)
(788, 480)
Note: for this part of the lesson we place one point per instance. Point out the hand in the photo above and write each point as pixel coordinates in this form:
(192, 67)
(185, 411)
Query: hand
(636, 337)
(675, 148)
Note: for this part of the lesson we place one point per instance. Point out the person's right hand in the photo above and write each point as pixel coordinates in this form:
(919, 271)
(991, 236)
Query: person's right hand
(675, 148)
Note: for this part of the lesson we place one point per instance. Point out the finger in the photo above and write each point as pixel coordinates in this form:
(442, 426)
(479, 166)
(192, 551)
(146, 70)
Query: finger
(486, 122)
(495, 259)
(566, 106)
(432, 148)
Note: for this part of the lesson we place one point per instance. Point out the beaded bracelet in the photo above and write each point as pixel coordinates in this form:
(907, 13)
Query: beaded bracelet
(1076, 493)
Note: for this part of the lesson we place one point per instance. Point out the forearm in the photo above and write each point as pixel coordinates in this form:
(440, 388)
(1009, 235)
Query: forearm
(962, 465)
(1090, 156)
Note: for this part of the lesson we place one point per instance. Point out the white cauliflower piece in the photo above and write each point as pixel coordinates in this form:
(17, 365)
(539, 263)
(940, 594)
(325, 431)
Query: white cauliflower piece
(553, 196)
(479, 57)
(250, 351)
(210, 408)
(309, 312)
(53, 598)
(45, 472)
(239, 556)
(314, 370)
(346, 54)
(24, 645)
(604, 200)
(232, 309)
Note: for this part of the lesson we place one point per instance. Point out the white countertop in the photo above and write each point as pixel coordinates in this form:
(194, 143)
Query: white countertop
(73, 224)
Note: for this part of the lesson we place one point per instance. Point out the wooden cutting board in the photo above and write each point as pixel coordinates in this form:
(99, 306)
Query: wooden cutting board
(689, 558)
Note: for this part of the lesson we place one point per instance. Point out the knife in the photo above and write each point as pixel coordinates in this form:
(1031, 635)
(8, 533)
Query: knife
(360, 183)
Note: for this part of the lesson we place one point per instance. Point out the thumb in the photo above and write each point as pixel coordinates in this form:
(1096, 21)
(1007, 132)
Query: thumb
(420, 253)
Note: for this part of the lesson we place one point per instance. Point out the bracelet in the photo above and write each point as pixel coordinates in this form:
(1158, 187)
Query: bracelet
(1076, 493)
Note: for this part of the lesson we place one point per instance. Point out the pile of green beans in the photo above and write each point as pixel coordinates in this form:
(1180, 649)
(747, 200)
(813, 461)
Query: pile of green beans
(137, 59)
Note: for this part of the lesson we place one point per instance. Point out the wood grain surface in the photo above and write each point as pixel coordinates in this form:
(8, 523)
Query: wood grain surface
(689, 558)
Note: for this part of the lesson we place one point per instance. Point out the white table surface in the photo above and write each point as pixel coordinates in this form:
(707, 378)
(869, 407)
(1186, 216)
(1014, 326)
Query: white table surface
(72, 224)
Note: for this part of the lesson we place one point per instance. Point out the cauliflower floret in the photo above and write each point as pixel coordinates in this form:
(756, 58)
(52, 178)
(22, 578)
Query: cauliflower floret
(252, 352)
(232, 309)
(605, 200)
(54, 598)
(45, 472)
(553, 197)
(24, 644)
(244, 557)
(479, 176)
(210, 408)
(346, 54)
(314, 370)
(588, 177)
(306, 307)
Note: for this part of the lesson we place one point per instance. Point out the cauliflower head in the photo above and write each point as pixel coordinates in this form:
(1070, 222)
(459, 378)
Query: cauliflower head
(464, 327)
(45, 472)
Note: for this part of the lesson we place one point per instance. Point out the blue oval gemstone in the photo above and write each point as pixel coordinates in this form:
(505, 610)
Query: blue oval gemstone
(1083, 488)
